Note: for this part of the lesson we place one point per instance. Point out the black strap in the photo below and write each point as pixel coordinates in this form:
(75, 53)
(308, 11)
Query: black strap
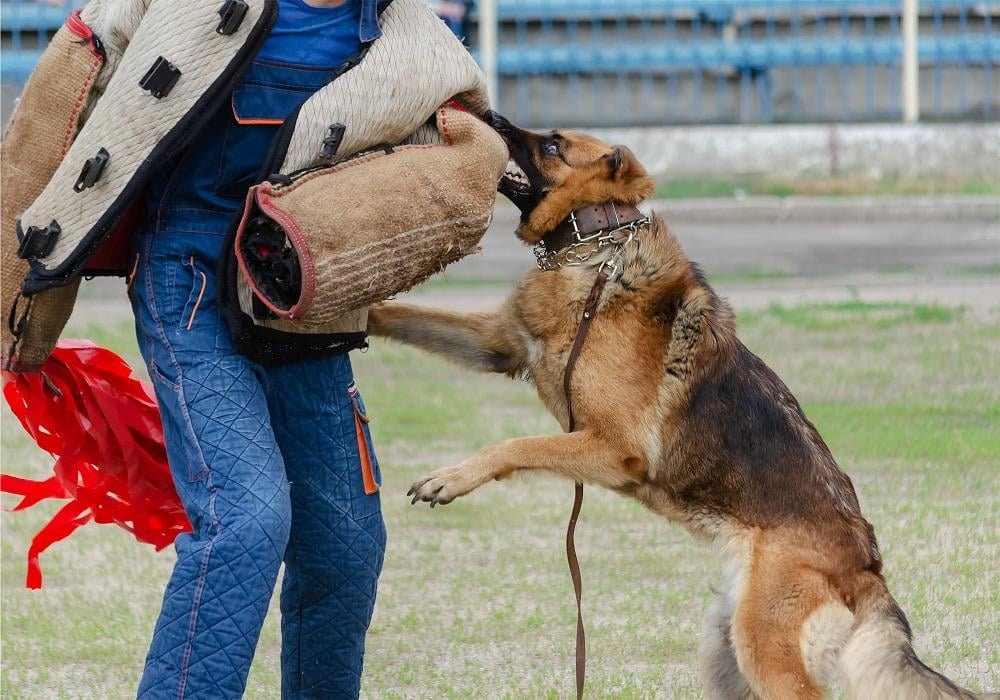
(17, 319)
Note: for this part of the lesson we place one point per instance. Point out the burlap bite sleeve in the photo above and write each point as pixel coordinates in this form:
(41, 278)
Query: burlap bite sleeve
(376, 225)
(40, 132)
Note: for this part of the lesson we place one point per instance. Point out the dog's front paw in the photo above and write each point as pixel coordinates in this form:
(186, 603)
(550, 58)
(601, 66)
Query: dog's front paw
(441, 486)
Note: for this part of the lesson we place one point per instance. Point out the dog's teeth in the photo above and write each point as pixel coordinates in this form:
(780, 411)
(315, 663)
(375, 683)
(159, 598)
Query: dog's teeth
(514, 171)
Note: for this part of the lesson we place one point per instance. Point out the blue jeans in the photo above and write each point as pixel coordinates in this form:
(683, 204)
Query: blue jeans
(269, 466)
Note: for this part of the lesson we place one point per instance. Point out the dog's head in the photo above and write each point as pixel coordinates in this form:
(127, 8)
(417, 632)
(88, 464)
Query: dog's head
(552, 174)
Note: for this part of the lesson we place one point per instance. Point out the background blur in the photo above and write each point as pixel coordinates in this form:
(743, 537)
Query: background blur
(834, 166)
(651, 62)
(852, 64)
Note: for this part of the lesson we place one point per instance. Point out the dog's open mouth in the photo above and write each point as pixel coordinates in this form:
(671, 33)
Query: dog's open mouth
(520, 182)
(514, 181)
(516, 185)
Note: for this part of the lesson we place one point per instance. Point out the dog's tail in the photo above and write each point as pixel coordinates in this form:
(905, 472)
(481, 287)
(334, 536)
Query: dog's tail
(878, 660)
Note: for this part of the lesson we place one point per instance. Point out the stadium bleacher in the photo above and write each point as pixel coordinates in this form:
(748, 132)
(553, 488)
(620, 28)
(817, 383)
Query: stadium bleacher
(649, 38)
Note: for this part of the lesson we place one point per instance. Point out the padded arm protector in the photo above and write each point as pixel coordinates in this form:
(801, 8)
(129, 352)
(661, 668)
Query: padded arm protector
(44, 123)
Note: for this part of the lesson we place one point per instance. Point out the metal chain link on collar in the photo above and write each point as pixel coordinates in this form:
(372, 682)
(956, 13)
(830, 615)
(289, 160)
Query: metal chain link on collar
(572, 255)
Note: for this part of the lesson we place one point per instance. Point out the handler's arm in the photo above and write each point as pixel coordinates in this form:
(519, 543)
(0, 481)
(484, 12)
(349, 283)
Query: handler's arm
(70, 75)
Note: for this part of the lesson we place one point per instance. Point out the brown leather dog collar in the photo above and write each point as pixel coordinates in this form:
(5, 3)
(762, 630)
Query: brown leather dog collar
(586, 221)
(585, 231)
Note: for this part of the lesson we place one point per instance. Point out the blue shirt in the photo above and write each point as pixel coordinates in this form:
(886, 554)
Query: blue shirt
(303, 52)
(313, 36)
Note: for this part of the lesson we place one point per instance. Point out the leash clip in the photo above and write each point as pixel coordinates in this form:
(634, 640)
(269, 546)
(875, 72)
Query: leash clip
(611, 265)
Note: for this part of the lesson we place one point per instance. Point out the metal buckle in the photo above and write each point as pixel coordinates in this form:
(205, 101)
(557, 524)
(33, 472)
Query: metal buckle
(611, 264)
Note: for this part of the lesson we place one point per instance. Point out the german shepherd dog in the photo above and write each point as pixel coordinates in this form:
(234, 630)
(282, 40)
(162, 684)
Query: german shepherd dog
(672, 410)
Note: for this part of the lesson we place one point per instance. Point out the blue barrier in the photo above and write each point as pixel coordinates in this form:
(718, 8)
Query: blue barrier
(17, 17)
(713, 10)
(761, 60)
(619, 62)
(38, 20)
(719, 54)
(16, 66)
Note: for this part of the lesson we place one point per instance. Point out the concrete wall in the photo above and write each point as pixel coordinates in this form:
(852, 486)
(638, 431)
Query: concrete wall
(967, 151)
(964, 151)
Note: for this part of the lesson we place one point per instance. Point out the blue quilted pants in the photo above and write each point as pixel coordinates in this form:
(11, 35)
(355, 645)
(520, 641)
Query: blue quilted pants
(269, 465)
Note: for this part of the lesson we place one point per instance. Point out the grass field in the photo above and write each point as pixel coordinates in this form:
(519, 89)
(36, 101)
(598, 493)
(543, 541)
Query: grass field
(475, 599)
(822, 186)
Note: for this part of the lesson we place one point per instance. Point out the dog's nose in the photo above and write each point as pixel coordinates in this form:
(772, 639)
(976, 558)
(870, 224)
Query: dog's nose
(497, 120)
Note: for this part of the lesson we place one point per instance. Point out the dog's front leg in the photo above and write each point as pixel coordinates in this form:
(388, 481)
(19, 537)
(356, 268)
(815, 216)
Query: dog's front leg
(477, 341)
(580, 456)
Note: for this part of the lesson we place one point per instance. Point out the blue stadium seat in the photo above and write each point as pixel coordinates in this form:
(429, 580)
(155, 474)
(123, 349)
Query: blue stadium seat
(16, 17)
(614, 55)
(17, 65)
(717, 10)
(756, 54)
(32, 18)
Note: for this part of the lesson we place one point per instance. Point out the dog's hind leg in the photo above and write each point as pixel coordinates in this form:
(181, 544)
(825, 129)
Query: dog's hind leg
(720, 673)
(789, 625)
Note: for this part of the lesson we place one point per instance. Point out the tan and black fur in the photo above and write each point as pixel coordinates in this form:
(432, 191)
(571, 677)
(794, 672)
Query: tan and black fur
(672, 410)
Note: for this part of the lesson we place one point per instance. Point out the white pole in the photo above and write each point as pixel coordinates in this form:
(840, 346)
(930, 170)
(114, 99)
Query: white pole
(488, 45)
(911, 63)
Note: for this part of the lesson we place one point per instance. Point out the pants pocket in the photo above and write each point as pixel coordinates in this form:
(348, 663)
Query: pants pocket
(177, 425)
(366, 501)
(198, 279)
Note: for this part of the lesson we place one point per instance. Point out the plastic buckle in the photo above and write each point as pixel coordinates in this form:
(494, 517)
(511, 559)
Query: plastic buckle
(232, 13)
(160, 78)
(38, 242)
(280, 179)
(331, 142)
(92, 170)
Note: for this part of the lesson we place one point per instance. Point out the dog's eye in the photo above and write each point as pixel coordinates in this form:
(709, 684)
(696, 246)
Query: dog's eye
(551, 148)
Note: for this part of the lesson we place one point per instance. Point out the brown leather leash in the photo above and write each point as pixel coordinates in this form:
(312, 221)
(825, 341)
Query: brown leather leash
(585, 231)
(589, 311)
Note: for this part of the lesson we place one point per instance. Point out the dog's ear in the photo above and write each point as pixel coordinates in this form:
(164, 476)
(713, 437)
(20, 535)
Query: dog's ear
(623, 165)
(634, 184)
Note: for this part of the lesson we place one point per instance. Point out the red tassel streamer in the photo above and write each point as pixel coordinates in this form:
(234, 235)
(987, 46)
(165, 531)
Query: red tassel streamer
(88, 410)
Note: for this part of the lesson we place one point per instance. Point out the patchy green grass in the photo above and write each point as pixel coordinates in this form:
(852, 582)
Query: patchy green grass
(837, 315)
(119, 337)
(475, 599)
(821, 185)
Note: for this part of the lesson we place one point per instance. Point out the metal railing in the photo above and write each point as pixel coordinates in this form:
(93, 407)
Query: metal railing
(635, 62)
(25, 29)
